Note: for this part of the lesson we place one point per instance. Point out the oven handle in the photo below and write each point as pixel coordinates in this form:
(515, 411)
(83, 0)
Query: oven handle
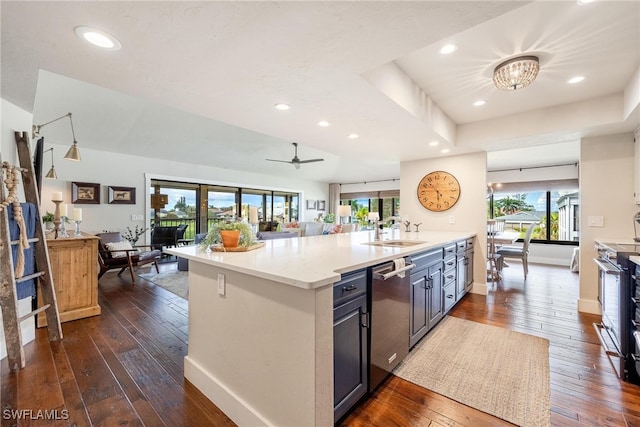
(606, 268)
(393, 273)
(598, 327)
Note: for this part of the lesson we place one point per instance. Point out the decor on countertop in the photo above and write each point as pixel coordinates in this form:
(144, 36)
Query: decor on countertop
(517, 376)
(122, 195)
(214, 236)
(516, 73)
(77, 218)
(295, 161)
(134, 235)
(73, 153)
(85, 193)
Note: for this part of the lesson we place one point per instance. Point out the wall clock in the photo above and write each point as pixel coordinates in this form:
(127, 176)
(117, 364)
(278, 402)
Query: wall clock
(438, 191)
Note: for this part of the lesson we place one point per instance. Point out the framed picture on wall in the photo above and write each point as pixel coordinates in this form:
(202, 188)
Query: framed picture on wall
(85, 193)
(321, 205)
(311, 204)
(122, 195)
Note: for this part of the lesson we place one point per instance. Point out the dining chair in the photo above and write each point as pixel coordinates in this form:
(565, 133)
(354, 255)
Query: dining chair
(519, 252)
(494, 260)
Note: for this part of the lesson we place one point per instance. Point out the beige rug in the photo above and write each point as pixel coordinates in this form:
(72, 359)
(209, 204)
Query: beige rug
(174, 281)
(495, 370)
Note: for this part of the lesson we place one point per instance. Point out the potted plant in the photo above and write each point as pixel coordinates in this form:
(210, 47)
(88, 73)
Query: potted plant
(48, 221)
(229, 234)
(133, 235)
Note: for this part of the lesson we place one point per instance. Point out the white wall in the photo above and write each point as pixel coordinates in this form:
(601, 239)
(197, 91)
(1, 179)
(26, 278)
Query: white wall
(111, 169)
(14, 119)
(606, 189)
(392, 184)
(469, 213)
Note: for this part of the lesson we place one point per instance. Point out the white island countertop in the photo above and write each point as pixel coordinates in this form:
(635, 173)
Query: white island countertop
(316, 261)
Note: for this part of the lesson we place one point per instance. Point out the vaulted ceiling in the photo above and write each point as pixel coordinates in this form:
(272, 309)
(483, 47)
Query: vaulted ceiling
(197, 81)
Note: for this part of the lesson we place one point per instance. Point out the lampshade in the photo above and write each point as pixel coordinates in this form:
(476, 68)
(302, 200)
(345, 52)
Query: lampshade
(344, 210)
(374, 216)
(516, 73)
(73, 153)
(52, 172)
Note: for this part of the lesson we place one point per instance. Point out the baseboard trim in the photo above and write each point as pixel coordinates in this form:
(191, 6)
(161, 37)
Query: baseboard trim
(235, 408)
(479, 288)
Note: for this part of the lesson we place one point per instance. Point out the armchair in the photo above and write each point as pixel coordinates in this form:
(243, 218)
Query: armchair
(164, 236)
(113, 253)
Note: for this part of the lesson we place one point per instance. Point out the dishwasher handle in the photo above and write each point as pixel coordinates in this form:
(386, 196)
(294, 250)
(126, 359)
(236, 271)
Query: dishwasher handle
(393, 273)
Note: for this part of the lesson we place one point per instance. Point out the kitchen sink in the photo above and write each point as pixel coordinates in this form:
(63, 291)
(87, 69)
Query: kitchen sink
(395, 243)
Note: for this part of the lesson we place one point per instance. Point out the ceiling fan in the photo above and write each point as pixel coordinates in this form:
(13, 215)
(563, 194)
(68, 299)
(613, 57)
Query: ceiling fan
(296, 161)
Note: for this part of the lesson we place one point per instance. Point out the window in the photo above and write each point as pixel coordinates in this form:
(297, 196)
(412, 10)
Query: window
(219, 203)
(386, 203)
(552, 207)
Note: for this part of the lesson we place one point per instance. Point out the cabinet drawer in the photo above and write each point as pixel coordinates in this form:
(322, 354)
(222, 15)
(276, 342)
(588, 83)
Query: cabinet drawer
(461, 246)
(449, 264)
(449, 250)
(352, 285)
(425, 259)
(449, 276)
(470, 244)
(449, 292)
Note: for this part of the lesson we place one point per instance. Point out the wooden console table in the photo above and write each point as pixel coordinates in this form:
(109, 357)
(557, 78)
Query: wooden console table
(74, 266)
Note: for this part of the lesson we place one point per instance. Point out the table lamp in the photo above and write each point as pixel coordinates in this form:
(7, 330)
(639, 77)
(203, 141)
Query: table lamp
(344, 211)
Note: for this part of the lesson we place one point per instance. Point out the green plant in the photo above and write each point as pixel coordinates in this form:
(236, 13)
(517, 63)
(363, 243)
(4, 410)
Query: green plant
(330, 218)
(48, 217)
(213, 235)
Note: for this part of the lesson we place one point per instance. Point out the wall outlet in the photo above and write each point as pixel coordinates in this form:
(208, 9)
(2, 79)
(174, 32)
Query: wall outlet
(452, 219)
(221, 284)
(595, 221)
(137, 217)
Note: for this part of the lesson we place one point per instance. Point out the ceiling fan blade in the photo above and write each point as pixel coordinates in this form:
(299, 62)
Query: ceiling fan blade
(281, 161)
(311, 161)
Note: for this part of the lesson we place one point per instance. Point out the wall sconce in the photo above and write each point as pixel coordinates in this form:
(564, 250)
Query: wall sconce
(52, 172)
(73, 153)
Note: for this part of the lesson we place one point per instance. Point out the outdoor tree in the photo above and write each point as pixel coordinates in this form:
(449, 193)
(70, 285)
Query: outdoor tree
(511, 204)
(181, 204)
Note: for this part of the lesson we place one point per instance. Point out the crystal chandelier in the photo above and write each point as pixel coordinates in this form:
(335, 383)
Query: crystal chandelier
(516, 73)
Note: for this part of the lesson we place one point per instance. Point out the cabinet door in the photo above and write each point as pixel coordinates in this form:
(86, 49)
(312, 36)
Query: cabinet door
(418, 317)
(469, 271)
(350, 362)
(434, 288)
(461, 276)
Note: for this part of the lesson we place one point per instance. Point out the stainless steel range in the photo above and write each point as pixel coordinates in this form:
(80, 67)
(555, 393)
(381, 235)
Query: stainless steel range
(616, 283)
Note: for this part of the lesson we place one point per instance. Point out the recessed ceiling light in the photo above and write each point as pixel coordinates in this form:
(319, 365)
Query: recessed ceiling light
(583, 2)
(576, 79)
(448, 48)
(434, 144)
(353, 136)
(323, 123)
(281, 107)
(444, 150)
(97, 37)
(479, 102)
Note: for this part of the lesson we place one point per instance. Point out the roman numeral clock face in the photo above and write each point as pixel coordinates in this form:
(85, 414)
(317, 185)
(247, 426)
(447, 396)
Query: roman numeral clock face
(438, 191)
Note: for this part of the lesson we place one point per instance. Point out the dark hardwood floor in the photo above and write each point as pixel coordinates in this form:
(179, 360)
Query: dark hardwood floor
(125, 366)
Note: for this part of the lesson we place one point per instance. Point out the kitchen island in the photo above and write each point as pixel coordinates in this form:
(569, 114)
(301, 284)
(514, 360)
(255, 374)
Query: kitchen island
(261, 322)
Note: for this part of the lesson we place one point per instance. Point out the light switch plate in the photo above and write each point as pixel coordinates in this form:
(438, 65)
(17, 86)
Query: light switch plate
(595, 221)
(452, 219)
(221, 284)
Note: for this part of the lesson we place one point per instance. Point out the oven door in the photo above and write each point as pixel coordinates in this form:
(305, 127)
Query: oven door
(609, 331)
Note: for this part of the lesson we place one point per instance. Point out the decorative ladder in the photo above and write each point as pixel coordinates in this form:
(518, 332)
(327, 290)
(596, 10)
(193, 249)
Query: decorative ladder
(8, 280)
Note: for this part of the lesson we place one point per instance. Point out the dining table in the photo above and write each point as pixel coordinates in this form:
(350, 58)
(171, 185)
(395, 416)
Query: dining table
(505, 237)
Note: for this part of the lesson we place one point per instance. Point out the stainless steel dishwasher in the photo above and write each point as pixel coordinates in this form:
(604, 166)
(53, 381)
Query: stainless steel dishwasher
(390, 308)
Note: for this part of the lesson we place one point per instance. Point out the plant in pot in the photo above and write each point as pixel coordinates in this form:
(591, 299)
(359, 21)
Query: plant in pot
(48, 221)
(229, 234)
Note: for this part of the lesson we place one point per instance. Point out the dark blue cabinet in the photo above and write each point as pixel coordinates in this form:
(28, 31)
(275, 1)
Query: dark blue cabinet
(426, 294)
(350, 342)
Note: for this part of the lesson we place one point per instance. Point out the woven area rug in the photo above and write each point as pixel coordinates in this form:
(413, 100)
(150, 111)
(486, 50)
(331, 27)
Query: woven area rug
(174, 281)
(495, 370)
